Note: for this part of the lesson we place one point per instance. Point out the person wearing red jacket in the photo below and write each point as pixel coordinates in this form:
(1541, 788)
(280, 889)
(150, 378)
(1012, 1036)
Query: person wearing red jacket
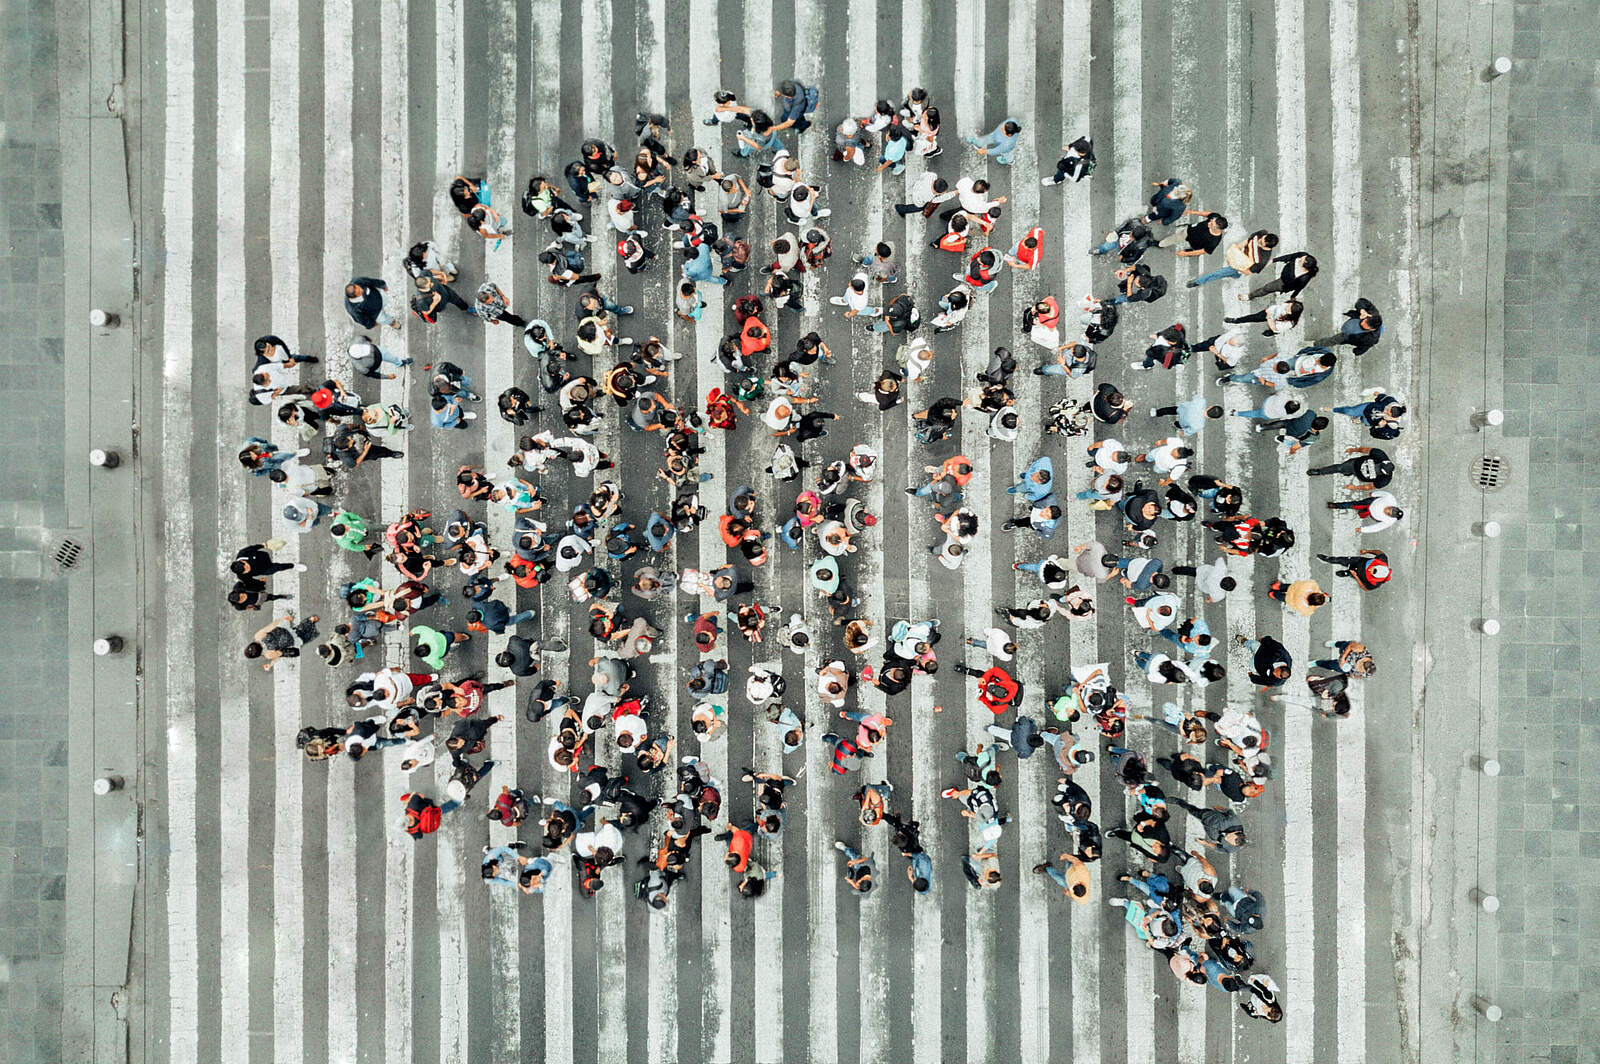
(740, 842)
(983, 270)
(997, 689)
(1030, 250)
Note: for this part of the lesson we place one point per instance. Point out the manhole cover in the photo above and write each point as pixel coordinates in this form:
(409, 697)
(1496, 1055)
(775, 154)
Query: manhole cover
(67, 554)
(1490, 472)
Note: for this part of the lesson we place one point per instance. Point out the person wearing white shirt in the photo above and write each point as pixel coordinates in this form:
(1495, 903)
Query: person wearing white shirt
(417, 753)
(1381, 510)
(928, 190)
(603, 843)
(1107, 456)
(997, 642)
(763, 685)
(302, 479)
(973, 197)
(1210, 580)
(855, 298)
(1169, 457)
(1228, 348)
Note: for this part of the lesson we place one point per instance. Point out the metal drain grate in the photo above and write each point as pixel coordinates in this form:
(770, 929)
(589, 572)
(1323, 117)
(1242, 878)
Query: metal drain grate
(67, 555)
(1490, 472)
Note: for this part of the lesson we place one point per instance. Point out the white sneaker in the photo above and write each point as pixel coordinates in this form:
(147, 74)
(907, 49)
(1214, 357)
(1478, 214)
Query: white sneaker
(302, 452)
(300, 568)
(470, 415)
(837, 845)
(1047, 182)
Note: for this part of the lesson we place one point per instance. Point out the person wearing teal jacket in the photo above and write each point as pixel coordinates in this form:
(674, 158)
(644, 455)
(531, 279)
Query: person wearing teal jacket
(433, 645)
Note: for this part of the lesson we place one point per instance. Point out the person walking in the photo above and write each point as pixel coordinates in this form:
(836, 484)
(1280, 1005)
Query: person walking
(364, 302)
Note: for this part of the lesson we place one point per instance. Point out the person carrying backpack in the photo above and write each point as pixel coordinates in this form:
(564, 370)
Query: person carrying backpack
(795, 102)
(423, 814)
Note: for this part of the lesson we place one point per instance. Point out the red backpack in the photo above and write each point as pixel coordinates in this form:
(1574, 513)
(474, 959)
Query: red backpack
(422, 816)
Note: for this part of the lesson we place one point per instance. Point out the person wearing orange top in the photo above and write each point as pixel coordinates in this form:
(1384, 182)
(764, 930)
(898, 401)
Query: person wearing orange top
(1030, 250)
(740, 842)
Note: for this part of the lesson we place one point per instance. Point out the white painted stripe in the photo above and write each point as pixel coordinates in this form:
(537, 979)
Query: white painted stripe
(1240, 605)
(177, 436)
(927, 1009)
(661, 988)
(1294, 503)
(1191, 543)
(501, 345)
(866, 354)
(1034, 775)
(288, 872)
(1082, 637)
(456, 1041)
(233, 701)
(716, 1037)
(339, 175)
(1344, 72)
(399, 848)
(555, 612)
(1128, 112)
(1398, 367)
(974, 576)
(610, 942)
(767, 750)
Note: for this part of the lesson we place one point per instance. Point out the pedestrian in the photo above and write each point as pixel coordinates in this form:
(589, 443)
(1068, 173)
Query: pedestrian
(1302, 596)
(999, 143)
(364, 302)
(1271, 664)
(1369, 569)
(1073, 879)
(1248, 256)
(1077, 162)
(1380, 508)
(1361, 329)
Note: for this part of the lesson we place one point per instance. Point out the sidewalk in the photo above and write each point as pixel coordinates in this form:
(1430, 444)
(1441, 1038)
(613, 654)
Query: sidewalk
(1545, 961)
(33, 742)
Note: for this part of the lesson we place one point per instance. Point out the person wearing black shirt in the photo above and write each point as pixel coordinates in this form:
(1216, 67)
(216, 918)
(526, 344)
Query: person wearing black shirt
(1271, 665)
(1362, 328)
(518, 656)
(939, 419)
(1109, 404)
(1372, 467)
(1199, 238)
(1298, 270)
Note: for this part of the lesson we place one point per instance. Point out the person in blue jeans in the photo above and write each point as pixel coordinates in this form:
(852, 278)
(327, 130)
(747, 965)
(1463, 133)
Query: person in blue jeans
(698, 267)
(920, 872)
(1000, 142)
(263, 456)
(1036, 481)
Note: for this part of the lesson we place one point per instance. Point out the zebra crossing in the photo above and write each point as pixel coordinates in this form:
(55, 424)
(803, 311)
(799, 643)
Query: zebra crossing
(302, 143)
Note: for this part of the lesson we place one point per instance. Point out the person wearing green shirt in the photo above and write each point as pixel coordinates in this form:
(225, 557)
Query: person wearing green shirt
(433, 645)
(349, 530)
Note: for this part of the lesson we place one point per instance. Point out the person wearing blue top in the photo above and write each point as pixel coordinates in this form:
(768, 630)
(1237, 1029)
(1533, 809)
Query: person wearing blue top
(1192, 414)
(698, 267)
(501, 864)
(1036, 481)
(447, 412)
(920, 872)
(999, 142)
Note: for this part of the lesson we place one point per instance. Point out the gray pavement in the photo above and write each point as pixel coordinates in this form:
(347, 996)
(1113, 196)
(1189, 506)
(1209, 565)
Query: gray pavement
(277, 148)
(33, 834)
(1546, 964)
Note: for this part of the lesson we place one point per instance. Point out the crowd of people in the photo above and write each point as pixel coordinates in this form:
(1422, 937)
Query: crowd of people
(609, 738)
